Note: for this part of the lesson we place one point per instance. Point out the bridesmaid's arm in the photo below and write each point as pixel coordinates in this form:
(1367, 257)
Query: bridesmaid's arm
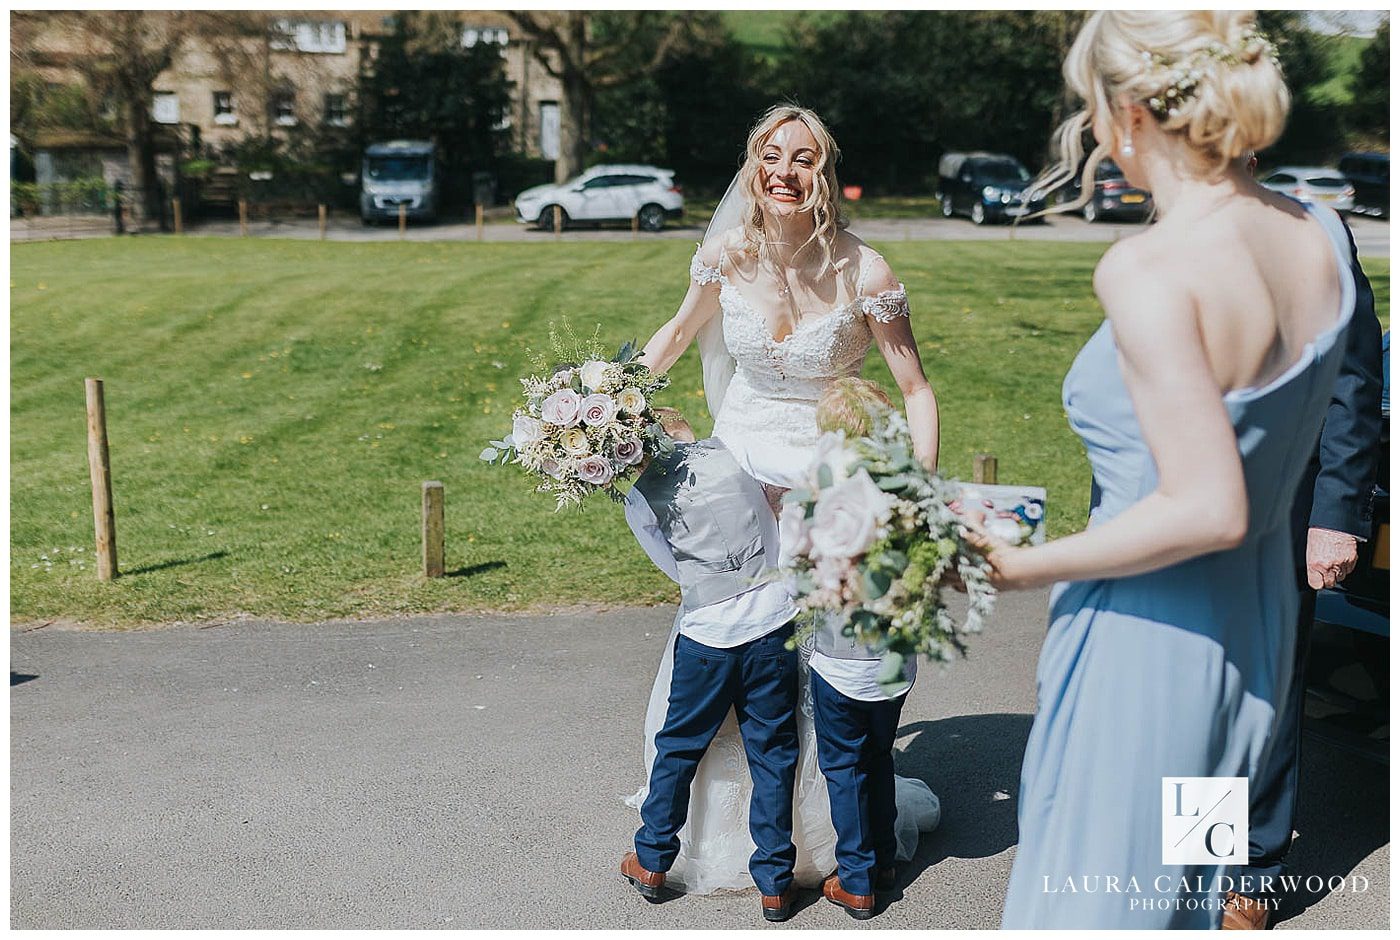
(1200, 504)
(895, 338)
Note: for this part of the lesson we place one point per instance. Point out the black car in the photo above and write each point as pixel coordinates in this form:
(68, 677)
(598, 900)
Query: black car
(1369, 175)
(1114, 197)
(986, 187)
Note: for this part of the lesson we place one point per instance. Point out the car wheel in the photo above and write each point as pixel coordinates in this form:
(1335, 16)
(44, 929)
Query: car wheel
(979, 213)
(1091, 212)
(947, 203)
(546, 219)
(651, 218)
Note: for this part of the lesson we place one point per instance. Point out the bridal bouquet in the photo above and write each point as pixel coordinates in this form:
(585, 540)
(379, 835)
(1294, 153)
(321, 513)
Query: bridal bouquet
(586, 422)
(873, 539)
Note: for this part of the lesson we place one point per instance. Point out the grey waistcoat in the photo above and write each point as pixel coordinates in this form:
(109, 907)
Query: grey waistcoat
(831, 641)
(707, 509)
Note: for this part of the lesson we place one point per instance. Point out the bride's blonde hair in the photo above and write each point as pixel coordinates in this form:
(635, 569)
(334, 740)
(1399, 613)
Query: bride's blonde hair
(824, 199)
(1208, 76)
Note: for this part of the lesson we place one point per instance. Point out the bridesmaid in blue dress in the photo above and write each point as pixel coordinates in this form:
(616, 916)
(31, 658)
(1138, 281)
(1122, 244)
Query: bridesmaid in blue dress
(1199, 401)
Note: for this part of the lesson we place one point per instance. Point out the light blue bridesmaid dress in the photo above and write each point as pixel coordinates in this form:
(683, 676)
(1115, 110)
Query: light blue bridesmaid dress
(1178, 672)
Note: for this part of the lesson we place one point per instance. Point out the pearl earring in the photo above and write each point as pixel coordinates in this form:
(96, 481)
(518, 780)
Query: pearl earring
(1127, 147)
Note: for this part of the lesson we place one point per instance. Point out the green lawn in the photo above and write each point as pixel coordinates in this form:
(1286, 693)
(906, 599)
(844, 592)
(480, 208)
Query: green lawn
(274, 406)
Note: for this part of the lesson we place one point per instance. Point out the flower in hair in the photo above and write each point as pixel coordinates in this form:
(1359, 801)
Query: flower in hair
(1180, 78)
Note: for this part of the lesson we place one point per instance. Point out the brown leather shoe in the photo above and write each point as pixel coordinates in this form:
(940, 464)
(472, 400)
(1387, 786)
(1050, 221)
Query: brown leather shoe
(648, 883)
(1242, 913)
(778, 907)
(859, 906)
(886, 879)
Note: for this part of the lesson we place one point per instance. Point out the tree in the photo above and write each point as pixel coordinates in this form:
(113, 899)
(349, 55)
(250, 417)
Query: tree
(692, 111)
(585, 58)
(1314, 130)
(118, 55)
(915, 84)
(425, 84)
(1370, 87)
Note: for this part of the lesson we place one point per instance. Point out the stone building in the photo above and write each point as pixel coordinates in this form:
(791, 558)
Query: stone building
(223, 88)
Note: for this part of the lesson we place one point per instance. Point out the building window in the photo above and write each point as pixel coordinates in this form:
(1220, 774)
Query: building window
(320, 36)
(165, 108)
(223, 108)
(487, 35)
(549, 130)
(337, 114)
(284, 112)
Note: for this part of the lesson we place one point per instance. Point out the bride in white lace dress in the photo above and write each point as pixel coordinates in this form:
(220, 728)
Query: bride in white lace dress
(783, 301)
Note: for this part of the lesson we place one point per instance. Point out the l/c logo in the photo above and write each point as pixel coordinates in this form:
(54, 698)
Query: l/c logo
(1205, 820)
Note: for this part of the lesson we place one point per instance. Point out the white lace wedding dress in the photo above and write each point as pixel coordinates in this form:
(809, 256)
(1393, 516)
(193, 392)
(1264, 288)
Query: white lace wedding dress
(768, 421)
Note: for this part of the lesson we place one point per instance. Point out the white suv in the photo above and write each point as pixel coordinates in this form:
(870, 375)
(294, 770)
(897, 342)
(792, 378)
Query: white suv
(619, 192)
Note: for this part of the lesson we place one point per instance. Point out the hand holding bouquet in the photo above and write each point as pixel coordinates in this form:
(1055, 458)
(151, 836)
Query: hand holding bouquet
(585, 423)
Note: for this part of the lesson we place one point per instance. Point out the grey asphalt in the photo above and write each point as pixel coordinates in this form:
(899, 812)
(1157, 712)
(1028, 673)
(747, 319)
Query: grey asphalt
(452, 771)
(1372, 235)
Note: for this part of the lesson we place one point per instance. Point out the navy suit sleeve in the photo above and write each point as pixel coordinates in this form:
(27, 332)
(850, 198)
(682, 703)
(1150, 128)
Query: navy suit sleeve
(1351, 433)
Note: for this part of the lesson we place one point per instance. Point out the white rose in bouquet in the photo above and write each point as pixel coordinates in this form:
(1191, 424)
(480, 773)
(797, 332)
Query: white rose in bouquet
(574, 441)
(593, 373)
(848, 516)
(561, 408)
(597, 410)
(631, 401)
(526, 430)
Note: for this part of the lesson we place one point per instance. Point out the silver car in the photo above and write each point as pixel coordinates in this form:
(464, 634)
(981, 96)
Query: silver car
(1318, 184)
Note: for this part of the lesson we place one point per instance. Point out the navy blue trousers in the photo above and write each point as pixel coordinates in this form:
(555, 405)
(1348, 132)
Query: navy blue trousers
(1273, 792)
(758, 680)
(854, 747)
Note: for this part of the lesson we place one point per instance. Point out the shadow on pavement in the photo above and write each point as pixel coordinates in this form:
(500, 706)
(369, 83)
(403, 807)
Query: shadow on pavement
(19, 678)
(1343, 817)
(973, 764)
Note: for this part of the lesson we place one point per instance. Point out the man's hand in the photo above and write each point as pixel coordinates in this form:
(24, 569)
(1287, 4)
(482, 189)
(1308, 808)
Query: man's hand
(1331, 557)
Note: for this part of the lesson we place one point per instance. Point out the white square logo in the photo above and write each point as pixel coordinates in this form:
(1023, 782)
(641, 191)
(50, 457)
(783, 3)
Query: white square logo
(1205, 820)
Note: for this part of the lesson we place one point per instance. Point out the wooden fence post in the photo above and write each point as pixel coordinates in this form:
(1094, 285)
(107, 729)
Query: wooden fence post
(243, 217)
(984, 469)
(179, 216)
(433, 530)
(403, 219)
(480, 222)
(558, 221)
(636, 224)
(321, 220)
(100, 469)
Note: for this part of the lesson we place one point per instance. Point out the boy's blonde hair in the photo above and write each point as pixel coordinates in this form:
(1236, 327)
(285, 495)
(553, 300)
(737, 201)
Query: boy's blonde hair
(850, 405)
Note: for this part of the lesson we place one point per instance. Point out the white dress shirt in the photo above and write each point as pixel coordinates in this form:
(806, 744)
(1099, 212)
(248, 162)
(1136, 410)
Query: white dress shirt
(859, 678)
(728, 623)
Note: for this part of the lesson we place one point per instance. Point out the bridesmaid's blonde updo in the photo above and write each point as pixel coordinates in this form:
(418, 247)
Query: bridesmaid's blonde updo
(1209, 76)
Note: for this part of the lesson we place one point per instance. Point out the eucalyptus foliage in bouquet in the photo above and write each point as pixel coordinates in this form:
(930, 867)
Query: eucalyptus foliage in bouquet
(873, 539)
(586, 421)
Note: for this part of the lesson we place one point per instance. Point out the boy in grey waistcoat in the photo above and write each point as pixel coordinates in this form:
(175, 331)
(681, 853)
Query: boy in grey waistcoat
(708, 526)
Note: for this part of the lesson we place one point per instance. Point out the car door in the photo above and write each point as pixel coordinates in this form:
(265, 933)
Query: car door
(598, 199)
(963, 192)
